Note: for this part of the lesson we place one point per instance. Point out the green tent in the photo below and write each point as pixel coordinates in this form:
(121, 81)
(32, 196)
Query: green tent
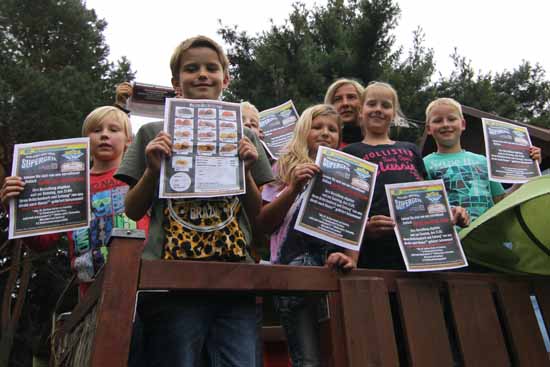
(514, 235)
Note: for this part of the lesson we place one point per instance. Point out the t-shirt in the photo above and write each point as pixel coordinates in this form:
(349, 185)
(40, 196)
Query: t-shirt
(286, 243)
(397, 163)
(466, 180)
(350, 134)
(216, 228)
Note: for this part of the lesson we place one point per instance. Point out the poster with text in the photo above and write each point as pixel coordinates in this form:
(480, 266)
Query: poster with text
(205, 159)
(337, 202)
(507, 151)
(148, 100)
(56, 197)
(427, 237)
(278, 124)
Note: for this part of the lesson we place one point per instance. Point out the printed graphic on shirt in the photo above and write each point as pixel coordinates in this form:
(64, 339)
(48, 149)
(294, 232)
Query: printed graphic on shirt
(204, 229)
(90, 244)
(394, 159)
(467, 185)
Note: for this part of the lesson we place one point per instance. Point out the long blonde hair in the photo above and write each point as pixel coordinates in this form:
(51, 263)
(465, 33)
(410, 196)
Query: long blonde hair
(297, 151)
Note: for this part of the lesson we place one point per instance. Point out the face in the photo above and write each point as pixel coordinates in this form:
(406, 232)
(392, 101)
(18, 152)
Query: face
(378, 110)
(108, 141)
(251, 121)
(201, 74)
(348, 103)
(324, 131)
(445, 125)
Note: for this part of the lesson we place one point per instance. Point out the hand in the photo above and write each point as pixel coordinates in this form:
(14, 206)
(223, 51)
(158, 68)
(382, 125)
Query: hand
(535, 153)
(123, 91)
(12, 187)
(460, 216)
(339, 261)
(301, 175)
(247, 152)
(158, 149)
(379, 225)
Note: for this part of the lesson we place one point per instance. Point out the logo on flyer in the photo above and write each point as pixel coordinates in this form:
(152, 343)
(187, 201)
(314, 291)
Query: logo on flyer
(407, 203)
(434, 197)
(72, 155)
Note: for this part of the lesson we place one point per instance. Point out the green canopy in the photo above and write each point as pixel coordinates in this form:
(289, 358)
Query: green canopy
(514, 235)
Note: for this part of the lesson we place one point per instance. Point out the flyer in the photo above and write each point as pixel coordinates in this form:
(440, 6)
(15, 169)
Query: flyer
(205, 159)
(507, 151)
(147, 100)
(56, 197)
(337, 202)
(278, 124)
(424, 229)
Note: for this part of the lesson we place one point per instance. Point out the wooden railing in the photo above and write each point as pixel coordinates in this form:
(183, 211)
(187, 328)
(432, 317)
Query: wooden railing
(377, 318)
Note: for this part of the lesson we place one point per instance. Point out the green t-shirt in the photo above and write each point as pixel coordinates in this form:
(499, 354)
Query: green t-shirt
(171, 220)
(466, 180)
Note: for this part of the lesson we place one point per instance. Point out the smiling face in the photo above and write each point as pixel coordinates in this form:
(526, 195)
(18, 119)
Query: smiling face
(201, 75)
(108, 140)
(347, 102)
(324, 131)
(378, 110)
(446, 125)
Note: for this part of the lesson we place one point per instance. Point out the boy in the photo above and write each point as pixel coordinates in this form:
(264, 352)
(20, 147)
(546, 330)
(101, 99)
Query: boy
(251, 119)
(177, 326)
(345, 96)
(110, 132)
(465, 173)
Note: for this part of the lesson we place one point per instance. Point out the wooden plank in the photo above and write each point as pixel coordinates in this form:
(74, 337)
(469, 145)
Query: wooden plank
(424, 323)
(368, 323)
(333, 349)
(198, 275)
(116, 304)
(84, 306)
(477, 325)
(523, 332)
(542, 292)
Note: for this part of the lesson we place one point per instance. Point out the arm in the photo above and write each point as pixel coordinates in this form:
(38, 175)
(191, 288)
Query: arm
(140, 196)
(273, 213)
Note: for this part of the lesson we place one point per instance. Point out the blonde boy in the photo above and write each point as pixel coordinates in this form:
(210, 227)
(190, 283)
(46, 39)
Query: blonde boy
(251, 119)
(465, 173)
(177, 327)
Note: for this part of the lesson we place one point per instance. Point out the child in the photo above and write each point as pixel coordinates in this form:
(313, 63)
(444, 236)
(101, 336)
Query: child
(465, 173)
(345, 96)
(177, 326)
(251, 119)
(110, 132)
(397, 162)
(318, 125)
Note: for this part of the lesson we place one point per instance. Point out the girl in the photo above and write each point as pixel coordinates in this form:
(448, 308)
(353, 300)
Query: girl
(397, 162)
(318, 125)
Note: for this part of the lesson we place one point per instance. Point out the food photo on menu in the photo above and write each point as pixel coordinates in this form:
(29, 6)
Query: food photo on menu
(205, 137)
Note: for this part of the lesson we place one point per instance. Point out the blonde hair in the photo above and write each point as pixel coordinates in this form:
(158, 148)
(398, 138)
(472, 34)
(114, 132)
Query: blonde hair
(297, 150)
(251, 107)
(95, 117)
(443, 102)
(331, 91)
(195, 42)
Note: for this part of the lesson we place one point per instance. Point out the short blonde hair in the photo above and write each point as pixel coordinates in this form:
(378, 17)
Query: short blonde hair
(194, 42)
(297, 150)
(331, 91)
(251, 107)
(443, 102)
(95, 117)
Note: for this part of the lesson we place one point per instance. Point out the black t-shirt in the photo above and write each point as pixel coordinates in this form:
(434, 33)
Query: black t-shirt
(397, 163)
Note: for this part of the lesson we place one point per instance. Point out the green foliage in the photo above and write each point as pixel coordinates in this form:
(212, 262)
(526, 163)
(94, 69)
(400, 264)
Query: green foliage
(53, 69)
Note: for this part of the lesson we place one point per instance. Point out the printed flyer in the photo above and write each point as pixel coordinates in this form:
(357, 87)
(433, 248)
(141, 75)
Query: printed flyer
(424, 229)
(147, 100)
(337, 202)
(57, 187)
(507, 151)
(205, 159)
(278, 124)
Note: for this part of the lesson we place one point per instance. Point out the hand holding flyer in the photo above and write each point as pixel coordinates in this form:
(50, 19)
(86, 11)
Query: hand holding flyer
(424, 228)
(56, 193)
(337, 201)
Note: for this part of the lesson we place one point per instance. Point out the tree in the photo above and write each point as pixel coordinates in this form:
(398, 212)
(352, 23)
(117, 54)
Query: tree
(53, 69)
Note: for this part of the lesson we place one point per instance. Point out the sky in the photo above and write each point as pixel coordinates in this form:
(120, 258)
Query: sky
(495, 35)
